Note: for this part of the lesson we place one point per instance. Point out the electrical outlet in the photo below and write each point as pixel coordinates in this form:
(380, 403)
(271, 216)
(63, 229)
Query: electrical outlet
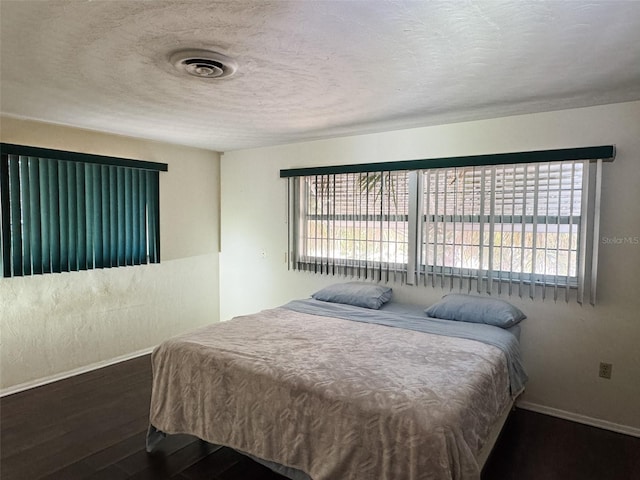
(605, 370)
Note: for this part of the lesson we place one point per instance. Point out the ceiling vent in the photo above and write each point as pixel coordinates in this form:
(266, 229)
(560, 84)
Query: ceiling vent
(204, 63)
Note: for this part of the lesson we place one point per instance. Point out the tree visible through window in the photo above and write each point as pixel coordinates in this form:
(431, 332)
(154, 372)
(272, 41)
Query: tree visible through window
(355, 221)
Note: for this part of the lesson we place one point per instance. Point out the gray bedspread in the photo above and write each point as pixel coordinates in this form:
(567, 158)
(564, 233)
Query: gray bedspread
(335, 398)
(416, 320)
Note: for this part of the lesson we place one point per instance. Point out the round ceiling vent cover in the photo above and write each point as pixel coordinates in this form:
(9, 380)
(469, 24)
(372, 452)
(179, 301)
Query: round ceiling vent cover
(204, 63)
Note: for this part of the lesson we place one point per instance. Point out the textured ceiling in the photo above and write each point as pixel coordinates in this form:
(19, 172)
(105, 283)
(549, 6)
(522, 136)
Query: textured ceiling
(310, 69)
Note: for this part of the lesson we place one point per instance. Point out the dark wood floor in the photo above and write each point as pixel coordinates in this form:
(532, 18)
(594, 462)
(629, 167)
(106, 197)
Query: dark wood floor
(93, 426)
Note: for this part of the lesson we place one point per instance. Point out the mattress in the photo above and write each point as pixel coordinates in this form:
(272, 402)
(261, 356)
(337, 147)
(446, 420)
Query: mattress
(337, 392)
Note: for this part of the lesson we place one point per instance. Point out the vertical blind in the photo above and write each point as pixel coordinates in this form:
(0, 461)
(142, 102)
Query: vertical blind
(353, 224)
(527, 229)
(62, 214)
(508, 226)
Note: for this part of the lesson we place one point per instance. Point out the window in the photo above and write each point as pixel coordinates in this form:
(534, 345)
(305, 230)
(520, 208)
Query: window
(354, 223)
(517, 223)
(64, 211)
(517, 228)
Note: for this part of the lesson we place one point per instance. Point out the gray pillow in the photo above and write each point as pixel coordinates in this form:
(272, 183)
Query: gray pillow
(471, 308)
(359, 294)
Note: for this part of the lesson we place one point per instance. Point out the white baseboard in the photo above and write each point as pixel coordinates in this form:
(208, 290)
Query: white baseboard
(576, 417)
(71, 373)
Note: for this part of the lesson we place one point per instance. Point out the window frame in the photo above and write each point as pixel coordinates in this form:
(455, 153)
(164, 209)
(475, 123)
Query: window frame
(364, 265)
(532, 222)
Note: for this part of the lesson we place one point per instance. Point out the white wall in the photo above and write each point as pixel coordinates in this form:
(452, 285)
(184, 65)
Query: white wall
(562, 343)
(51, 324)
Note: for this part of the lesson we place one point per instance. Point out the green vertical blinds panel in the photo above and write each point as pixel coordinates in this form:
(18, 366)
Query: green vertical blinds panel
(35, 217)
(67, 215)
(16, 238)
(45, 244)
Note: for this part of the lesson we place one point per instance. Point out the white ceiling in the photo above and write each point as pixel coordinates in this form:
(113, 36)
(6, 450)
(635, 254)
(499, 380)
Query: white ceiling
(310, 69)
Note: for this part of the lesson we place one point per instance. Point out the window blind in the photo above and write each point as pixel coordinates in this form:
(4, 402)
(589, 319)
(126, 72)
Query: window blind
(515, 227)
(352, 224)
(527, 229)
(62, 214)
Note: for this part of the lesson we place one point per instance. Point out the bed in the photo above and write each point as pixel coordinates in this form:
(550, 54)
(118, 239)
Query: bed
(333, 391)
